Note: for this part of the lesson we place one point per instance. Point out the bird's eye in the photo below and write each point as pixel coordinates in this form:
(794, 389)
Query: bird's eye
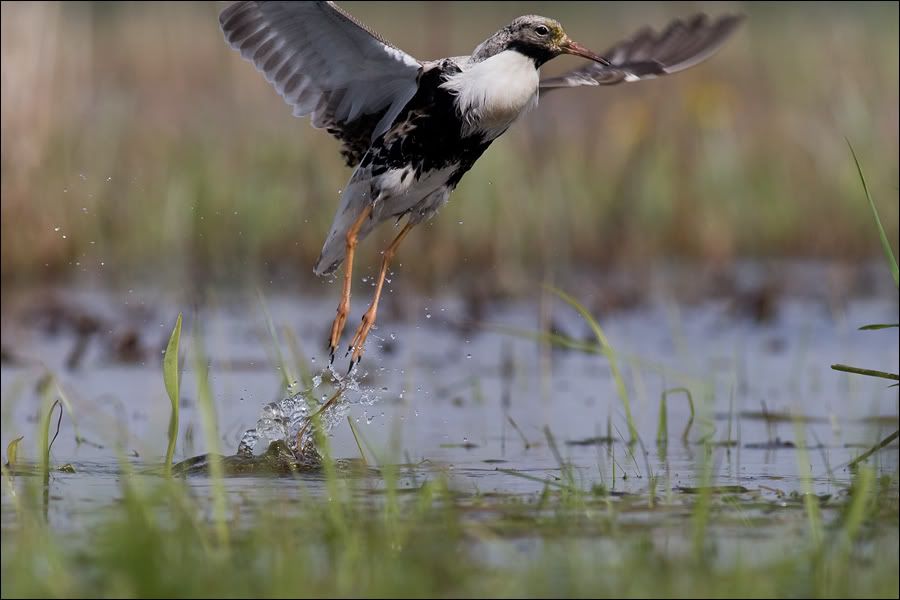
(541, 30)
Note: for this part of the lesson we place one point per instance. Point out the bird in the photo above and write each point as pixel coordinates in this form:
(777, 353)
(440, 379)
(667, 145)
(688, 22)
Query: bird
(410, 128)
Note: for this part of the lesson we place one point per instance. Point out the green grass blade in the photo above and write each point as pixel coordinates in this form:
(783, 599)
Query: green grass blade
(876, 326)
(355, 433)
(874, 449)
(535, 479)
(209, 421)
(516, 428)
(662, 430)
(171, 379)
(553, 339)
(869, 372)
(288, 379)
(860, 500)
(45, 442)
(65, 404)
(608, 352)
(12, 451)
(885, 244)
(690, 399)
(306, 376)
(810, 500)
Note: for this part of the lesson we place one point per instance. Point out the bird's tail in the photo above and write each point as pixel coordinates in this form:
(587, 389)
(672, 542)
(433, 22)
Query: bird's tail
(354, 199)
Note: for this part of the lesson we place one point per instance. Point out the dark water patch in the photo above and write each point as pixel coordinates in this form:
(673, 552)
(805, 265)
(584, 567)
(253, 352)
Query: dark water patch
(715, 489)
(591, 441)
(776, 417)
(776, 444)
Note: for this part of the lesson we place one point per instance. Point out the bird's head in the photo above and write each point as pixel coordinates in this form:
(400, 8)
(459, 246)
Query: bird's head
(537, 37)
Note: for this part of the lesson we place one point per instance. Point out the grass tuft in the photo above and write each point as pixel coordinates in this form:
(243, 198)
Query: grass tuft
(607, 351)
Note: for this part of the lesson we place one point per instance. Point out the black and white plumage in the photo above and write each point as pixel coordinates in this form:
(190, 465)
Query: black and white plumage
(647, 54)
(326, 65)
(413, 128)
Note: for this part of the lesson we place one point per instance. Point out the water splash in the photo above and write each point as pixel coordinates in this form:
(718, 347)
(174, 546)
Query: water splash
(279, 421)
(285, 419)
(248, 442)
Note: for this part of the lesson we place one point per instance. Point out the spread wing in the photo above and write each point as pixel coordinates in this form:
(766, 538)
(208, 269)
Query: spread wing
(326, 65)
(648, 54)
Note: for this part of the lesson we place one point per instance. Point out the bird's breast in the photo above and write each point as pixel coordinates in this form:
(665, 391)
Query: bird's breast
(493, 93)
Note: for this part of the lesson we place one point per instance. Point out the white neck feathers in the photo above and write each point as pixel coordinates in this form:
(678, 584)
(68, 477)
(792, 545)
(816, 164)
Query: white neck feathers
(493, 93)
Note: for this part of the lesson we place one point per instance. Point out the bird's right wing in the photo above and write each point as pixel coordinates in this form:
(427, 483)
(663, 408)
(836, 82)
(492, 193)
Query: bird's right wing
(325, 64)
(648, 54)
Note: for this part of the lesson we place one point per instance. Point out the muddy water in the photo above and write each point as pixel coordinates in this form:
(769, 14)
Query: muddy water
(439, 393)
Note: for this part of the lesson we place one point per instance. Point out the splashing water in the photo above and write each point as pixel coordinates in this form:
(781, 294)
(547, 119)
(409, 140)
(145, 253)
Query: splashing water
(285, 419)
(282, 421)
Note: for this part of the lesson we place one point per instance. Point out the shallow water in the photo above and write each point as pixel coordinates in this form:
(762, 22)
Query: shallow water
(437, 393)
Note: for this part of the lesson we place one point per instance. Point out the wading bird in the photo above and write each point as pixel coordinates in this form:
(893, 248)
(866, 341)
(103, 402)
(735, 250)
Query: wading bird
(411, 128)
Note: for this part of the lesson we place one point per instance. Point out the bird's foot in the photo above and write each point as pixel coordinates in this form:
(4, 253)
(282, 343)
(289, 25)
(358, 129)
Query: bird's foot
(337, 328)
(357, 346)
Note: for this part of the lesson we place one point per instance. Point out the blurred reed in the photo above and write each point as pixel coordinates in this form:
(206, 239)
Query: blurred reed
(135, 139)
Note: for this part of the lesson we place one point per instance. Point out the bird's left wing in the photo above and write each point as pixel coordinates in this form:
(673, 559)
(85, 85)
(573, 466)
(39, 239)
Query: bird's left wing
(648, 54)
(326, 65)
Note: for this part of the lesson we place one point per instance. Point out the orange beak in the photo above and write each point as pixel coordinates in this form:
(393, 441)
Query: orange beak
(570, 47)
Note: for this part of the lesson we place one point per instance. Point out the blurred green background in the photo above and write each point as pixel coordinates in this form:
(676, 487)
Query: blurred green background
(136, 143)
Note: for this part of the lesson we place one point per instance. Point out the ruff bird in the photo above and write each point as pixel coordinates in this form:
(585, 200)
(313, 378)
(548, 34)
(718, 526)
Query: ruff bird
(411, 129)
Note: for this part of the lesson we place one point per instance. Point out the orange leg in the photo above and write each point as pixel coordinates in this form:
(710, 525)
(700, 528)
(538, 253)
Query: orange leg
(368, 319)
(344, 307)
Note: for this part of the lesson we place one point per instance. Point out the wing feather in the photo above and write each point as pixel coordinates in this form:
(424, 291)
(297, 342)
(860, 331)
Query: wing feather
(326, 65)
(648, 54)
